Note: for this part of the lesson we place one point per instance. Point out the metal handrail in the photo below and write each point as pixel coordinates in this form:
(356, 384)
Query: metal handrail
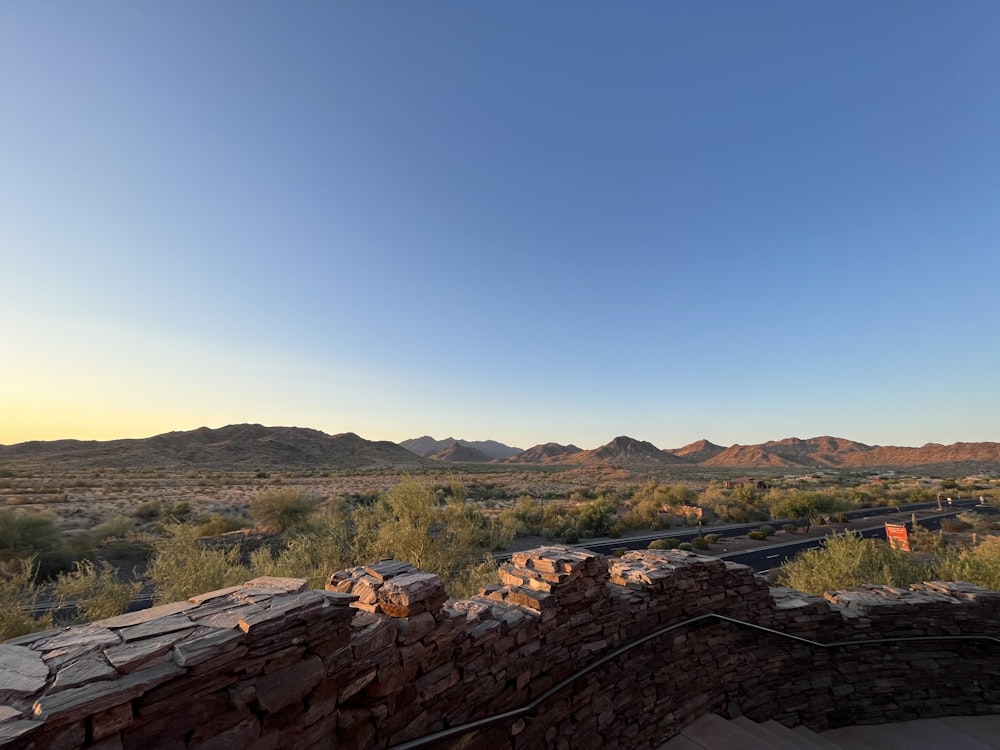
(531, 706)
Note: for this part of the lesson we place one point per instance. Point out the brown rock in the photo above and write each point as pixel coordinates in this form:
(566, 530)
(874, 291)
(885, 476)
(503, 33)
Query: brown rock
(284, 687)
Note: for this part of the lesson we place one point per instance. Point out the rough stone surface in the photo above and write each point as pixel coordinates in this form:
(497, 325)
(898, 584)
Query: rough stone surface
(24, 672)
(381, 658)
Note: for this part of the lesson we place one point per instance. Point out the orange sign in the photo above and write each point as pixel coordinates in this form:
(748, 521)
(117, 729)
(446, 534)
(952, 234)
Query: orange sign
(898, 536)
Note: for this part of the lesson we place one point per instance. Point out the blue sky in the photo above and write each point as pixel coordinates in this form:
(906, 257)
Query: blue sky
(527, 222)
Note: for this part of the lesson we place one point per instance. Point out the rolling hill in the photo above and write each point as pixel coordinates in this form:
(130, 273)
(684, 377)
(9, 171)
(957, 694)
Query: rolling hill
(235, 447)
(247, 447)
(428, 447)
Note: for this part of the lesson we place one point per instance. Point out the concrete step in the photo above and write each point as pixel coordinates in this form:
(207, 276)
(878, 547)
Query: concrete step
(953, 733)
(779, 737)
(712, 732)
(817, 740)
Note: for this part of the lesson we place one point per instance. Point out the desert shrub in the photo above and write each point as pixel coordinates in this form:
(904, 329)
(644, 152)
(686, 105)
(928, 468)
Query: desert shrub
(757, 535)
(570, 536)
(18, 593)
(699, 542)
(848, 560)
(284, 511)
(646, 511)
(148, 510)
(23, 534)
(217, 524)
(620, 552)
(713, 538)
(95, 590)
(804, 504)
(980, 522)
(596, 518)
(28, 534)
(979, 565)
(954, 525)
(839, 517)
(409, 523)
(524, 518)
(116, 527)
(767, 530)
(179, 512)
(790, 528)
(664, 544)
(325, 549)
(180, 567)
(686, 546)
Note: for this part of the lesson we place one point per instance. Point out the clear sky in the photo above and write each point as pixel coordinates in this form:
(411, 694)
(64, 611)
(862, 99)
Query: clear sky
(526, 221)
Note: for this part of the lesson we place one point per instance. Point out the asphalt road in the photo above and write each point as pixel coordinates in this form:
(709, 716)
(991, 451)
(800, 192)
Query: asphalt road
(772, 556)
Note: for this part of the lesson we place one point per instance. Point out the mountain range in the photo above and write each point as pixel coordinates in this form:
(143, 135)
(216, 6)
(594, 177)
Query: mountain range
(253, 447)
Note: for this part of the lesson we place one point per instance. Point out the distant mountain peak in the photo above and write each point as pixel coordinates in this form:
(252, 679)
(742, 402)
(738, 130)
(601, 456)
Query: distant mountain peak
(428, 446)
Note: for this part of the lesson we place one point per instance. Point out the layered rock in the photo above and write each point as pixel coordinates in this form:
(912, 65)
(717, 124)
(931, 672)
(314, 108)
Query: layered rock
(584, 652)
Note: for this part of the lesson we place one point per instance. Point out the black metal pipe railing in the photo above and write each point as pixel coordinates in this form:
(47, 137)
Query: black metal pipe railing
(532, 705)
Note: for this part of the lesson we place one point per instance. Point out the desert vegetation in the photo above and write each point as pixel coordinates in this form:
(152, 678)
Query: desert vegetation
(969, 552)
(81, 544)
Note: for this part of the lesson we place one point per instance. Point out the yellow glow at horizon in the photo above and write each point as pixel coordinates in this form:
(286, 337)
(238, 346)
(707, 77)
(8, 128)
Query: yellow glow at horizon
(80, 380)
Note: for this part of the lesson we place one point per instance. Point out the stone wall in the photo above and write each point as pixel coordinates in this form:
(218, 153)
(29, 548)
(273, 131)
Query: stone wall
(383, 657)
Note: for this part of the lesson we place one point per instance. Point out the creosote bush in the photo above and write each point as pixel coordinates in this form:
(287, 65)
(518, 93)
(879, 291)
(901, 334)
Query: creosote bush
(18, 593)
(664, 544)
(848, 560)
(284, 511)
(95, 590)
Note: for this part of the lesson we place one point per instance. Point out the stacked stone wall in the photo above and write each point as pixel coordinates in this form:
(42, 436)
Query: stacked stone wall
(383, 657)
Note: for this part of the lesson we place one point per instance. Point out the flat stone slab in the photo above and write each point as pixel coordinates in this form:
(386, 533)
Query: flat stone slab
(22, 671)
(91, 668)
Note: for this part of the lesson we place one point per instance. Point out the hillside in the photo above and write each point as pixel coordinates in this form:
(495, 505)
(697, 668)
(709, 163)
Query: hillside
(428, 446)
(456, 453)
(235, 447)
(626, 452)
(698, 452)
(830, 452)
(543, 453)
(248, 447)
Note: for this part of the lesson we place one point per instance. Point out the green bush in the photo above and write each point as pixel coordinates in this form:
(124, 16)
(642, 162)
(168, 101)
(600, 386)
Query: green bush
(757, 536)
(181, 568)
(17, 594)
(116, 527)
(284, 511)
(699, 542)
(848, 560)
(790, 528)
(713, 538)
(664, 544)
(686, 546)
(148, 510)
(95, 590)
(767, 530)
(979, 565)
